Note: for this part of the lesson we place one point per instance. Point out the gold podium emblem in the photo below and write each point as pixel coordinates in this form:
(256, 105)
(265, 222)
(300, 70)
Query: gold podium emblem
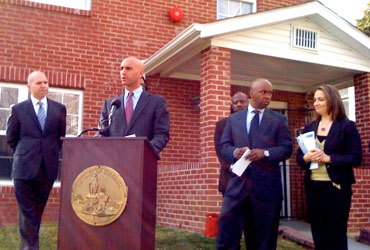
(99, 195)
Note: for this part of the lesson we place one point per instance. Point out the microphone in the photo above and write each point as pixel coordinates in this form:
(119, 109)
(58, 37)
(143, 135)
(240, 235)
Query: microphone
(115, 104)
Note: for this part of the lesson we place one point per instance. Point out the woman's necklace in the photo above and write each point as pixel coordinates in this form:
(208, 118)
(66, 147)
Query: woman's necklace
(324, 126)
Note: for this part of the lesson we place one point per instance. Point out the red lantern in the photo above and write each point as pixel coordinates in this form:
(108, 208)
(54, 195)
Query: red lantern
(176, 14)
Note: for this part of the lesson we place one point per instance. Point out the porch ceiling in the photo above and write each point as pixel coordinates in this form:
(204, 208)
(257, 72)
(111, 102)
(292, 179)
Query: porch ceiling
(285, 74)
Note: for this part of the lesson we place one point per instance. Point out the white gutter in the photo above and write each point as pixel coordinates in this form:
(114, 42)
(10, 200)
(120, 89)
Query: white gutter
(180, 42)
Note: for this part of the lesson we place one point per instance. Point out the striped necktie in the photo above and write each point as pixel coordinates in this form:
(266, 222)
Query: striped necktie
(41, 115)
(129, 109)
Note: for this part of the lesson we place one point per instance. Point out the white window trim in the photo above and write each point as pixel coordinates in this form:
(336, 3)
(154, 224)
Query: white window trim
(349, 94)
(74, 4)
(23, 95)
(253, 2)
(80, 106)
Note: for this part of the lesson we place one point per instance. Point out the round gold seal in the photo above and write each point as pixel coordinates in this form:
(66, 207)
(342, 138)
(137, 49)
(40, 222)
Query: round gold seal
(99, 195)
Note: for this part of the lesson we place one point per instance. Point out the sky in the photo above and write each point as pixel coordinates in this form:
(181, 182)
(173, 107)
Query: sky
(348, 9)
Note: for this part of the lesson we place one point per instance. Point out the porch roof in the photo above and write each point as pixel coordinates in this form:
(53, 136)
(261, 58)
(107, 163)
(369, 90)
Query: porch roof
(260, 46)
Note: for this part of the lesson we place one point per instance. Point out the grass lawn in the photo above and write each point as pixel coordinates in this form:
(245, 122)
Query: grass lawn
(166, 239)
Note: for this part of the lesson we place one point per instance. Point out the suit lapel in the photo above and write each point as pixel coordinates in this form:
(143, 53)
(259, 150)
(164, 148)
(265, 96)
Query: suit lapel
(121, 114)
(242, 119)
(48, 113)
(265, 122)
(143, 100)
(332, 135)
(31, 111)
(315, 126)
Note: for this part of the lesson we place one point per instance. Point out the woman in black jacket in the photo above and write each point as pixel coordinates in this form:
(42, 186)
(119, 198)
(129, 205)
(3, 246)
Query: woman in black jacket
(328, 188)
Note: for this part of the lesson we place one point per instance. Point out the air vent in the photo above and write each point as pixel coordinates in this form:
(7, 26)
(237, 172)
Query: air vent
(306, 39)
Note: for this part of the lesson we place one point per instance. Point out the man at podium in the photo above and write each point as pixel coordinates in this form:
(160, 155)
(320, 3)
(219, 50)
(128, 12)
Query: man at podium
(141, 113)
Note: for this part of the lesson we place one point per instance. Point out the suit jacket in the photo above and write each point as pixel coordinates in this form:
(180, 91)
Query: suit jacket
(343, 145)
(225, 165)
(262, 178)
(150, 119)
(30, 144)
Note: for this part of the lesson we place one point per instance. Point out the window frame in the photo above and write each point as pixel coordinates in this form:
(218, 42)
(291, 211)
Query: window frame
(253, 2)
(348, 96)
(80, 106)
(81, 4)
(23, 95)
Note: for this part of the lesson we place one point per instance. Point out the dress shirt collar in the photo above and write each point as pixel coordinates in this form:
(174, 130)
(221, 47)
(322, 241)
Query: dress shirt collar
(137, 92)
(36, 106)
(251, 109)
(35, 101)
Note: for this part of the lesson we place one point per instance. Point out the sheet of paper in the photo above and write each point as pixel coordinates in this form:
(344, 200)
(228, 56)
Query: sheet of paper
(241, 165)
(132, 135)
(307, 142)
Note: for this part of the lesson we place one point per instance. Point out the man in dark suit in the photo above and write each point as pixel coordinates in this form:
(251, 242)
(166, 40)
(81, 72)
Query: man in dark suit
(239, 101)
(253, 201)
(141, 113)
(34, 132)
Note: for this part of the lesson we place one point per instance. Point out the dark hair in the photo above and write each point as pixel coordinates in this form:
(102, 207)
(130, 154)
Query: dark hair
(334, 102)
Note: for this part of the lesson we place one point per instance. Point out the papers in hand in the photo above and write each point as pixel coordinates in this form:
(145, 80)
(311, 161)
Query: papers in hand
(307, 142)
(241, 165)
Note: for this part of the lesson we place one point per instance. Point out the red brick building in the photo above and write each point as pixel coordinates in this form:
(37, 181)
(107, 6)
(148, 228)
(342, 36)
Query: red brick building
(196, 64)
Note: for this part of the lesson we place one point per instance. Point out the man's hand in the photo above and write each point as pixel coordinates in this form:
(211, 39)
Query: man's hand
(239, 152)
(255, 154)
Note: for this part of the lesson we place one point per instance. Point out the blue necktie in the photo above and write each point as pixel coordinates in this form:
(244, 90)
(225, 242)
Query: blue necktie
(253, 130)
(41, 115)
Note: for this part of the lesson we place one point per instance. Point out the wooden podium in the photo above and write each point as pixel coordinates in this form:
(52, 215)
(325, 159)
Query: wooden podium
(136, 163)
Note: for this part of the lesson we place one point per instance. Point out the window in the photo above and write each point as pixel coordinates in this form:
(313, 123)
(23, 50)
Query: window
(348, 98)
(14, 93)
(75, 4)
(11, 94)
(72, 99)
(231, 8)
(305, 39)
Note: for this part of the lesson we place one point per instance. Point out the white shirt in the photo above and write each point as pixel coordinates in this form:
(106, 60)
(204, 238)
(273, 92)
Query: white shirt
(250, 116)
(135, 97)
(36, 106)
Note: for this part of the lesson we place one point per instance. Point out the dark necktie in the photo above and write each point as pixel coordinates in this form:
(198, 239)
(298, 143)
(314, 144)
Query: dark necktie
(129, 109)
(253, 130)
(41, 115)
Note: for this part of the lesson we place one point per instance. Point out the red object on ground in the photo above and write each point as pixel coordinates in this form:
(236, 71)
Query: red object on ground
(211, 225)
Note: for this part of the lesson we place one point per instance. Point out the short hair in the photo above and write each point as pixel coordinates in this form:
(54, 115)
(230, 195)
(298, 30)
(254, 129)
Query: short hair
(334, 102)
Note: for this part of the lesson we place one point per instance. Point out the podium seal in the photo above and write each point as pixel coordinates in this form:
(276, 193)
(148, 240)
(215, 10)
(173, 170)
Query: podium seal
(99, 195)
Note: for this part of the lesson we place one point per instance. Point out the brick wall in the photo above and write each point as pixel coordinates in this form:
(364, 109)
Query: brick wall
(90, 44)
(8, 208)
(360, 209)
(263, 5)
(83, 50)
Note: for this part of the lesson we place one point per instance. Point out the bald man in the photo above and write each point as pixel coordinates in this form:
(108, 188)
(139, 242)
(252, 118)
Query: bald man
(253, 201)
(141, 113)
(34, 132)
(239, 102)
